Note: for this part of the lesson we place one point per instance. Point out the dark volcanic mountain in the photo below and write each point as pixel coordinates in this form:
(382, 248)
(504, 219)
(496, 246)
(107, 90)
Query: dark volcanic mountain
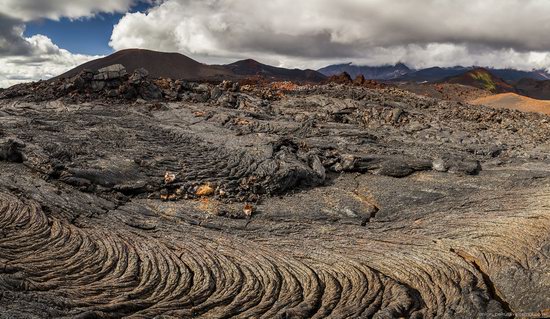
(433, 74)
(533, 88)
(251, 67)
(512, 75)
(179, 66)
(159, 64)
(384, 72)
(483, 79)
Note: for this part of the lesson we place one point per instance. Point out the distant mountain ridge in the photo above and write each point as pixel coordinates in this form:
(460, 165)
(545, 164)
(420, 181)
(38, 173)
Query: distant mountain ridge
(512, 76)
(533, 88)
(383, 72)
(401, 72)
(179, 66)
(433, 74)
(250, 67)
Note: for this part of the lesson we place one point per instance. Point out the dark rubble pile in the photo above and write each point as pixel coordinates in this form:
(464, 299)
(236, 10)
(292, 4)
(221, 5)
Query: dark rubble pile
(115, 83)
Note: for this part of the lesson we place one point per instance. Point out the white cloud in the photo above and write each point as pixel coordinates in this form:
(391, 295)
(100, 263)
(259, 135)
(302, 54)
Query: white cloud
(28, 10)
(308, 33)
(44, 61)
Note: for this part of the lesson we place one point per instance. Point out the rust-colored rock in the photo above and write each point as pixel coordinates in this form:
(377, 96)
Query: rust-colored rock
(205, 190)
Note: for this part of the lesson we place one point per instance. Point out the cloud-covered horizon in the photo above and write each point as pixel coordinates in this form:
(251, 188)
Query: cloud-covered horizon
(289, 33)
(312, 33)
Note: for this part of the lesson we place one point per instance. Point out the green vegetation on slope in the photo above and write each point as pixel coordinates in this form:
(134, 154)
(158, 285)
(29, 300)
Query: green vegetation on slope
(485, 79)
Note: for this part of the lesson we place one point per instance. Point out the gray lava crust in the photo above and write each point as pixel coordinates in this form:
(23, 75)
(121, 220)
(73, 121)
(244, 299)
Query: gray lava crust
(220, 201)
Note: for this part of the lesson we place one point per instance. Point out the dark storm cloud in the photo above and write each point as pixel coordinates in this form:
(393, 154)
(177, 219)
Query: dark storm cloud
(11, 37)
(315, 45)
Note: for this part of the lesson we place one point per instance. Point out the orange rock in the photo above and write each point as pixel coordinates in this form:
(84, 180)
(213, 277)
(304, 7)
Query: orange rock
(248, 210)
(241, 121)
(205, 190)
(284, 86)
(167, 197)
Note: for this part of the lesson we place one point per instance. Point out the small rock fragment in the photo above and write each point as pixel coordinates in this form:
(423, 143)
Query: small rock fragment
(395, 115)
(248, 210)
(169, 177)
(439, 165)
(168, 197)
(456, 166)
(11, 151)
(138, 76)
(205, 190)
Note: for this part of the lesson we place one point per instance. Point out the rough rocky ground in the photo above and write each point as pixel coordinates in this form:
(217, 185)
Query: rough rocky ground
(320, 201)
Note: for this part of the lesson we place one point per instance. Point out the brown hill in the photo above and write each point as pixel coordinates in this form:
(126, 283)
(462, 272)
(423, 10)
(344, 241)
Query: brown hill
(483, 79)
(445, 91)
(515, 102)
(533, 88)
(179, 66)
(249, 67)
(159, 64)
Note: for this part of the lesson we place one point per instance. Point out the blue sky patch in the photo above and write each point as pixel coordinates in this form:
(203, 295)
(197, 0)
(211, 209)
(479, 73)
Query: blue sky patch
(85, 36)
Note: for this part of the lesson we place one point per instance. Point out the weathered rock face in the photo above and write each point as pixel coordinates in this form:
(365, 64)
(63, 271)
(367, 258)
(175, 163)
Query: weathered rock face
(115, 71)
(321, 201)
(345, 78)
(342, 78)
(138, 76)
(361, 81)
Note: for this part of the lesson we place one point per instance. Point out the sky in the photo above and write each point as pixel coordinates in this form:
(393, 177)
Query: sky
(41, 39)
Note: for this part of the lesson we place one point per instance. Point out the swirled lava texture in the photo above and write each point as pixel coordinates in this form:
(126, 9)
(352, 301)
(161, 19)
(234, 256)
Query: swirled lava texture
(326, 201)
